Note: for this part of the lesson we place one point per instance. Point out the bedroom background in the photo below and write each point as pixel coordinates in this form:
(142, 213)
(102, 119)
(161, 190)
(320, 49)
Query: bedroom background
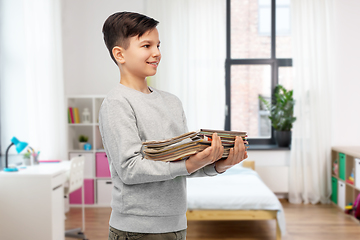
(31, 101)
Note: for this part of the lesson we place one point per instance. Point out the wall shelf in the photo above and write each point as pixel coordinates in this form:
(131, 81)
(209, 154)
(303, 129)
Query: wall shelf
(348, 162)
(95, 159)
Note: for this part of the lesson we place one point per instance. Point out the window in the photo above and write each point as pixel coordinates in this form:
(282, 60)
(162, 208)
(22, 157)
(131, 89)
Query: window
(258, 56)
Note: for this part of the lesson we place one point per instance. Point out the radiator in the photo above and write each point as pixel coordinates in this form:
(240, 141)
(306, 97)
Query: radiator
(275, 177)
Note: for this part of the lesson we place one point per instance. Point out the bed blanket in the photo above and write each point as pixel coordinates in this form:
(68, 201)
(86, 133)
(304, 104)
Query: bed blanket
(238, 188)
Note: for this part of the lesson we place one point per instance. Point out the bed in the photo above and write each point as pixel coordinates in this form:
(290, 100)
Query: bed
(238, 194)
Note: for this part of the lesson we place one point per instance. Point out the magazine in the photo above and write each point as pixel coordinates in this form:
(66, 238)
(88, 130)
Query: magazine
(190, 143)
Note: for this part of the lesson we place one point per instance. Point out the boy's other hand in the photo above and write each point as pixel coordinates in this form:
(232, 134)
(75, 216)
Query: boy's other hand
(206, 157)
(236, 155)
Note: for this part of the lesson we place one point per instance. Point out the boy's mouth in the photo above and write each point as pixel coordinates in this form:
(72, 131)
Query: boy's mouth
(155, 64)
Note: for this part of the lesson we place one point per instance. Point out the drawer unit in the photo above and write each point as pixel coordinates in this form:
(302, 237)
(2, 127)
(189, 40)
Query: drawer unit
(89, 163)
(32, 202)
(75, 197)
(104, 192)
(102, 165)
(58, 180)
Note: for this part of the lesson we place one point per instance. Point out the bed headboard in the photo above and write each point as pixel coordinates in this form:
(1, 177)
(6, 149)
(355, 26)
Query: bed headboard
(249, 164)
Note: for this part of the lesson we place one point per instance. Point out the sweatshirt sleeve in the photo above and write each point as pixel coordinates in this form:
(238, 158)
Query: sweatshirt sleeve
(207, 171)
(120, 136)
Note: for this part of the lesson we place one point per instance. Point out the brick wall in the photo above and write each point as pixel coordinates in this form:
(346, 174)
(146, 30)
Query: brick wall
(250, 81)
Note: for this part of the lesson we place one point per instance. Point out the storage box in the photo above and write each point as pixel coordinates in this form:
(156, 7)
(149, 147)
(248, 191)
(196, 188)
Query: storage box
(341, 194)
(334, 187)
(357, 173)
(102, 165)
(342, 166)
(89, 163)
(75, 197)
(104, 192)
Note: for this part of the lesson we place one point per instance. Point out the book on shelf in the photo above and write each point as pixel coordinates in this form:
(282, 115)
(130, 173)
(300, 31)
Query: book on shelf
(69, 116)
(73, 115)
(188, 144)
(76, 115)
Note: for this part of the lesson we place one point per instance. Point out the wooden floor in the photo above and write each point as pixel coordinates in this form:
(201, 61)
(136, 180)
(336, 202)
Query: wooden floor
(310, 222)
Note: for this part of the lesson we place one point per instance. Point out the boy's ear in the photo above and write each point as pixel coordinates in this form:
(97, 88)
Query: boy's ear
(118, 53)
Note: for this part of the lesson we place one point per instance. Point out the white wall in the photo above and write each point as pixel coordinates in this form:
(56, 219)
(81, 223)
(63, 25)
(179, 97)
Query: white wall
(88, 68)
(346, 92)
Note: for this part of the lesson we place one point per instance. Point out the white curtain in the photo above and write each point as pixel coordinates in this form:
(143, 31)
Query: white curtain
(43, 122)
(312, 23)
(192, 35)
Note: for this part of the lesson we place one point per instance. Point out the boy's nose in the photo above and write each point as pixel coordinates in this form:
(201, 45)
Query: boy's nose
(156, 53)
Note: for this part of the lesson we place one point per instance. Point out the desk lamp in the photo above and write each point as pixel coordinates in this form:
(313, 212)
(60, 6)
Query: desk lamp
(19, 147)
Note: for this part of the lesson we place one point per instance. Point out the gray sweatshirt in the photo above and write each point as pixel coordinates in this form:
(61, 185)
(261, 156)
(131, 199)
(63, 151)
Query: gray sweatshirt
(148, 196)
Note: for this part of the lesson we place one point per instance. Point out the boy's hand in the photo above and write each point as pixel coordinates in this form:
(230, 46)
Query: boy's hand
(236, 155)
(206, 157)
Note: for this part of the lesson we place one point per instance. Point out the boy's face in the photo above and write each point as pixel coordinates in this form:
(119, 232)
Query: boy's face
(142, 57)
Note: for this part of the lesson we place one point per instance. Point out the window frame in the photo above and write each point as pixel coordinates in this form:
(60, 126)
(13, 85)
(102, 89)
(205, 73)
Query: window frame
(274, 63)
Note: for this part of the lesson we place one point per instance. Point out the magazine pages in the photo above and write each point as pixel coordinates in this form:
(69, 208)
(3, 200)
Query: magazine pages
(188, 144)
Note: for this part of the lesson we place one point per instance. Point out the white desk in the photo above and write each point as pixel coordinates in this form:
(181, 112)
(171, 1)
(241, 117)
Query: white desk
(32, 202)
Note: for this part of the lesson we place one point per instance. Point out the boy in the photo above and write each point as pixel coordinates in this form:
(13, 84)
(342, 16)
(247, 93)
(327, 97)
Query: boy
(149, 197)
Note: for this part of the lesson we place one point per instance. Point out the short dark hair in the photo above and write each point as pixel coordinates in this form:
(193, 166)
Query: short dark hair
(120, 26)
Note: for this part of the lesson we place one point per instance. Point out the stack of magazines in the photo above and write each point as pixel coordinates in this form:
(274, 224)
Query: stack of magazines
(188, 144)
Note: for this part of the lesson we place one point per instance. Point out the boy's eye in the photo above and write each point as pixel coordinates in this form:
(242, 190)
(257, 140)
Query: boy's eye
(146, 46)
(158, 46)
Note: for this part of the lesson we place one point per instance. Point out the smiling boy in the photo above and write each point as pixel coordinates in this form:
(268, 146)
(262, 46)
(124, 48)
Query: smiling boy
(148, 197)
